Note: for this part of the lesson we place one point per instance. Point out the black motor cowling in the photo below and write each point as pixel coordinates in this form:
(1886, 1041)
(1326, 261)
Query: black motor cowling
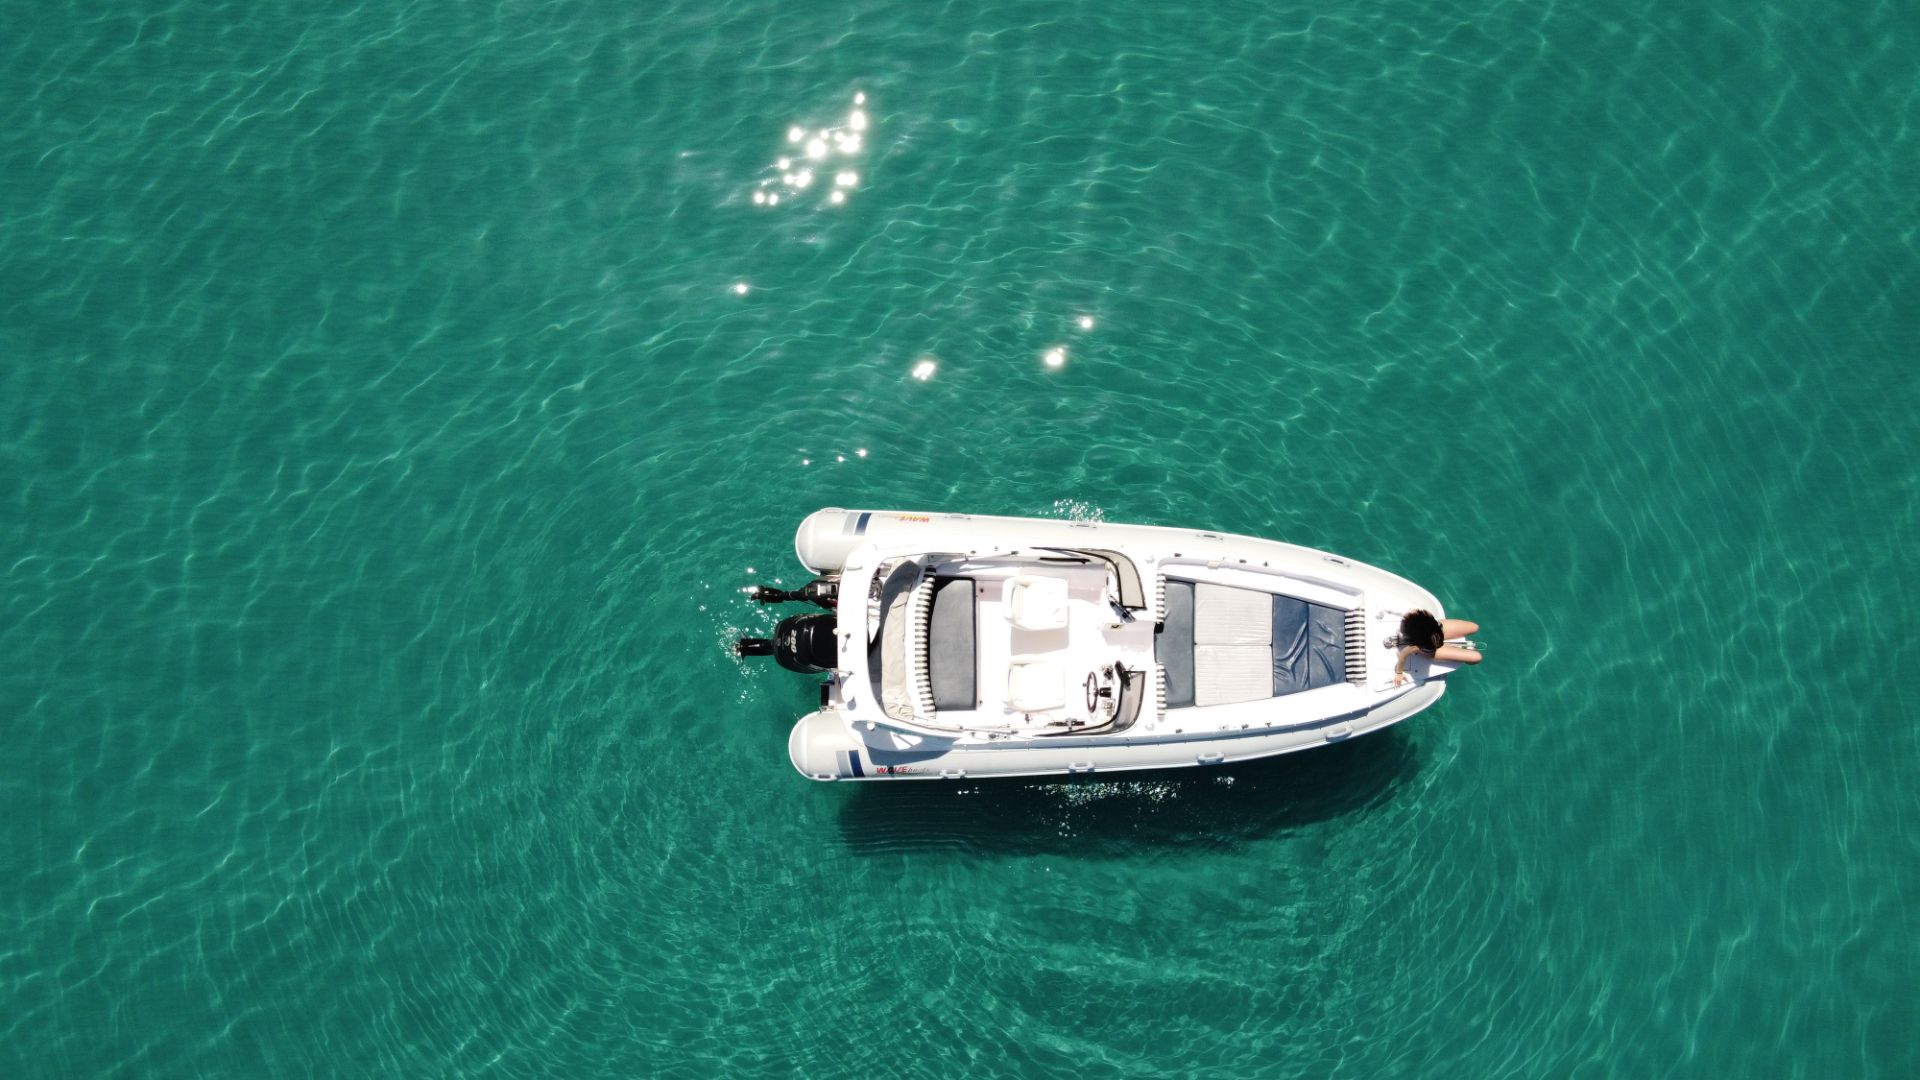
(802, 643)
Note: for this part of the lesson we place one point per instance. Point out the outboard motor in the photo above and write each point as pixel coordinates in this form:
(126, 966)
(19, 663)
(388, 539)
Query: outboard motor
(824, 591)
(802, 643)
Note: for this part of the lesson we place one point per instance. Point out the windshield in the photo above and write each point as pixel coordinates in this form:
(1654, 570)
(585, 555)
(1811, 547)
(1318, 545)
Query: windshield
(1126, 576)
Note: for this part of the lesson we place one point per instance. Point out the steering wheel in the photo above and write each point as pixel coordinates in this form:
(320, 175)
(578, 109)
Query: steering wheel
(1093, 692)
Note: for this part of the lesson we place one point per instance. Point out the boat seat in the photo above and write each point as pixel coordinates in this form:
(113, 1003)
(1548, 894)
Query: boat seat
(1035, 684)
(1226, 674)
(953, 652)
(1035, 603)
(1309, 645)
(1232, 644)
(1224, 615)
(1173, 642)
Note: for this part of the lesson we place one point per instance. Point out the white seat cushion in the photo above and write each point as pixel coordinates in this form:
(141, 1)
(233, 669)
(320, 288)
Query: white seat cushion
(1035, 685)
(1225, 674)
(1035, 603)
(1223, 615)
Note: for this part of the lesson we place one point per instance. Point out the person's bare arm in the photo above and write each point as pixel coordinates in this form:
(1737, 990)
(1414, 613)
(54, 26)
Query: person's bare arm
(1400, 663)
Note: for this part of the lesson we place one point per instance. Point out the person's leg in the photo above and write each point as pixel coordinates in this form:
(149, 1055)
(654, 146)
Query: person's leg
(1454, 628)
(1456, 654)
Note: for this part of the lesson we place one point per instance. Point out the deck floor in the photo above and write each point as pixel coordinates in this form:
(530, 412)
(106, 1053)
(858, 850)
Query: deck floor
(1088, 643)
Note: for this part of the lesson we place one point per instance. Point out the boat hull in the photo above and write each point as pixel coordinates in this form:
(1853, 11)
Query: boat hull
(850, 740)
(823, 746)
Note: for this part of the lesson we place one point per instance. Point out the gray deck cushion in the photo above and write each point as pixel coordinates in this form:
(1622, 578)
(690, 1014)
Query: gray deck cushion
(1173, 644)
(1327, 645)
(1309, 646)
(1290, 619)
(953, 655)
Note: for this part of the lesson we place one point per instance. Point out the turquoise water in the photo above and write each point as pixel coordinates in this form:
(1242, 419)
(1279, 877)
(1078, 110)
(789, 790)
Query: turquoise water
(385, 439)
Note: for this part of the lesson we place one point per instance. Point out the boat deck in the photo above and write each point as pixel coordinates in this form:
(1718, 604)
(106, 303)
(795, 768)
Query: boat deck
(1247, 647)
(1018, 667)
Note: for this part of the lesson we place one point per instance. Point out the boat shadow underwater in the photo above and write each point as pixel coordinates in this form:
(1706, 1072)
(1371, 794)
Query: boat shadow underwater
(1121, 814)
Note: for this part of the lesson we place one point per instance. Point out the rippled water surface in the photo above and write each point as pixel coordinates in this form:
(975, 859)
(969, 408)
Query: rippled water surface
(395, 398)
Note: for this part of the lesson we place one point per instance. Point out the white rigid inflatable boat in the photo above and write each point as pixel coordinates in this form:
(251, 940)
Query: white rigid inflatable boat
(965, 646)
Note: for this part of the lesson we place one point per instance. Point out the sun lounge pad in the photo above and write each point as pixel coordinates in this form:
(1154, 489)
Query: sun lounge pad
(1309, 646)
(1232, 639)
(1222, 645)
(953, 657)
(1224, 674)
(1290, 620)
(1173, 644)
(1326, 646)
(1227, 616)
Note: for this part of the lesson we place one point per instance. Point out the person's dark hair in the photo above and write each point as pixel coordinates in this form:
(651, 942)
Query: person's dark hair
(1422, 629)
